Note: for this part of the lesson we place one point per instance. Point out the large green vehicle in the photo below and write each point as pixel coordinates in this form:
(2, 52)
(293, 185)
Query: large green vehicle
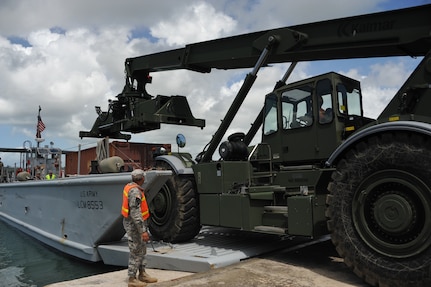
(321, 167)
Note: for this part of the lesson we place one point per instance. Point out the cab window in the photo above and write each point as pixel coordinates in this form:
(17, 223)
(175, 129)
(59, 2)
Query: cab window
(324, 92)
(349, 100)
(297, 107)
(270, 115)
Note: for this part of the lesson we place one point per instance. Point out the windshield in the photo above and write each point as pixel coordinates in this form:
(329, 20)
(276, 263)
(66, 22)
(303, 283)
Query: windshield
(297, 107)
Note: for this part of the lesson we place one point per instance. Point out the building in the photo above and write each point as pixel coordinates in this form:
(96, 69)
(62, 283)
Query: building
(134, 155)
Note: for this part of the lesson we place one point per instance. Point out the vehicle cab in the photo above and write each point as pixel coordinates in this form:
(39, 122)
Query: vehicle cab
(305, 121)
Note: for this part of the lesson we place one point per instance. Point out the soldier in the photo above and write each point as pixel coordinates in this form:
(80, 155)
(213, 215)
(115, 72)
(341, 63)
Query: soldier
(50, 176)
(135, 212)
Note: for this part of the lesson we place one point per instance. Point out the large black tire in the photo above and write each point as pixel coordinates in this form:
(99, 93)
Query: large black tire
(379, 210)
(175, 211)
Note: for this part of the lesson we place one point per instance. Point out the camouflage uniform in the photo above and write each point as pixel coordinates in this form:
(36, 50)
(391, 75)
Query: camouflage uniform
(135, 226)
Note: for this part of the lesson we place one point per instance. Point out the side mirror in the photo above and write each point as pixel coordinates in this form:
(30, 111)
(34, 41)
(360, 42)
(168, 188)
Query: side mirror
(181, 140)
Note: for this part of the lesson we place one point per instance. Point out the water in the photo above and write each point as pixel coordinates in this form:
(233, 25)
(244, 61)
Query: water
(25, 262)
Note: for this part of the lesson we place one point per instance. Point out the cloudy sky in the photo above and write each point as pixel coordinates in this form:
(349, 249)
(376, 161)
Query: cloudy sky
(68, 56)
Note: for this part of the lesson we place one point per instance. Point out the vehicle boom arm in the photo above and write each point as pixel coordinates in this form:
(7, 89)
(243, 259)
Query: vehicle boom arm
(403, 32)
(391, 33)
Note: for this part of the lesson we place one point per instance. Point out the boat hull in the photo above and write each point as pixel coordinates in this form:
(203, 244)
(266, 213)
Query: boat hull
(73, 215)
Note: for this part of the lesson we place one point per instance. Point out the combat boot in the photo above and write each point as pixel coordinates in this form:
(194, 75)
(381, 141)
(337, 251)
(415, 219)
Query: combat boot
(133, 282)
(144, 277)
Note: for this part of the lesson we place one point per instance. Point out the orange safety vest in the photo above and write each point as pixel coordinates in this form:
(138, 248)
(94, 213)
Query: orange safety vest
(125, 208)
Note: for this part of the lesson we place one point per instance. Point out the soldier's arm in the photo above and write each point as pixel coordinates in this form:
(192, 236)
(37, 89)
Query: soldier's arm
(135, 209)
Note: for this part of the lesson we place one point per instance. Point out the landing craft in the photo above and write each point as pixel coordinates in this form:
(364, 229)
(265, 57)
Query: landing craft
(73, 214)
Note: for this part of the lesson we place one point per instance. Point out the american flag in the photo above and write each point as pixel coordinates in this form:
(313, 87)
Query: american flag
(40, 125)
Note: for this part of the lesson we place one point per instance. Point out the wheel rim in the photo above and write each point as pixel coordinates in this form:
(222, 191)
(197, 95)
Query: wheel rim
(161, 206)
(391, 213)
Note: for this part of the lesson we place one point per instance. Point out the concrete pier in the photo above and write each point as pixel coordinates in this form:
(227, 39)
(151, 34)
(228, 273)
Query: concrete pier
(119, 278)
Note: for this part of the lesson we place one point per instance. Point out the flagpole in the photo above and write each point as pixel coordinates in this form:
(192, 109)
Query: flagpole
(39, 130)
(38, 135)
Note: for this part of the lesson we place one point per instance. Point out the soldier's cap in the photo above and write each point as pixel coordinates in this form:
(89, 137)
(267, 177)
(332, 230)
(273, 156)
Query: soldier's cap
(137, 172)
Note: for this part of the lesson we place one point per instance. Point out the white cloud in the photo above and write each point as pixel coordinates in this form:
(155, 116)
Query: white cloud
(376, 99)
(382, 82)
(198, 22)
(389, 73)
